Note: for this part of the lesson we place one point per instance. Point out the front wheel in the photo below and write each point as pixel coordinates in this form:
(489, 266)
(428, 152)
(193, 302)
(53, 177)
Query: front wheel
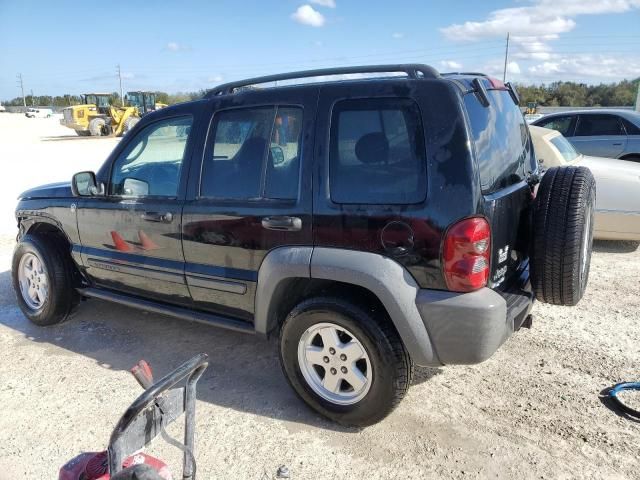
(43, 280)
(346, 362)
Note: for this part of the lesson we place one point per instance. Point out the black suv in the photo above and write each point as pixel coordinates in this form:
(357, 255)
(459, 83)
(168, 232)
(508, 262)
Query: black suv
(371, 223)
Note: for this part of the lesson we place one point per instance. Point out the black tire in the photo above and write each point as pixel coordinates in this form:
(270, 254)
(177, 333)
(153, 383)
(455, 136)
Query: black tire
(632, 158)
(62, 298)
(98, 127)
(391, 366)
(563, 235)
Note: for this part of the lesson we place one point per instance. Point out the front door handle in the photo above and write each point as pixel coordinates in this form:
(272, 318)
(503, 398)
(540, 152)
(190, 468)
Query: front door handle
(282, 223)
(158, 217)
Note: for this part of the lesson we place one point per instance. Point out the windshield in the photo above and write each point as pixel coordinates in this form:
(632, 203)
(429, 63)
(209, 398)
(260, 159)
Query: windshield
(565, 148)
(135, 99)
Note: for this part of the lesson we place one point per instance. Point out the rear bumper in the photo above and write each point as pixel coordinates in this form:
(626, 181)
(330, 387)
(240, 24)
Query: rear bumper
(467, 328)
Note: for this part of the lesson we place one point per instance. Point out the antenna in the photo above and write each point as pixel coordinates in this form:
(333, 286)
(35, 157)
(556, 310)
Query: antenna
(506, 58)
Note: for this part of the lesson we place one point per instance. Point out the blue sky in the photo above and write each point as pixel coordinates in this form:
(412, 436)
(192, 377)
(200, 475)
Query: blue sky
(72, 47)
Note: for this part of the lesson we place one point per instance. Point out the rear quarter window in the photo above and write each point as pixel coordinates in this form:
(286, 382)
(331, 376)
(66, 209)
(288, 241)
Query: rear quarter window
(501, 140)
(377, 153)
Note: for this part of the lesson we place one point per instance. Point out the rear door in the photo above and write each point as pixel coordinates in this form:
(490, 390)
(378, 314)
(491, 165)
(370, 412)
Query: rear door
(504, 153)
(251, 194)
(600, 135)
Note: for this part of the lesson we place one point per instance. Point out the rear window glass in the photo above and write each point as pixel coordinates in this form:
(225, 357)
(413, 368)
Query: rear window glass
(377, 153)
(501, 138)
(565, 148)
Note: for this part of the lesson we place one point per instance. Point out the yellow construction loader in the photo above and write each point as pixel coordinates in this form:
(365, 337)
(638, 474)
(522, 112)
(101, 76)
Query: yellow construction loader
(96, 117)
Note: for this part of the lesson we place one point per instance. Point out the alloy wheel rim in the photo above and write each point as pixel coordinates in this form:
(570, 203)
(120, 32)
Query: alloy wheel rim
(34, 283)
(334, 363)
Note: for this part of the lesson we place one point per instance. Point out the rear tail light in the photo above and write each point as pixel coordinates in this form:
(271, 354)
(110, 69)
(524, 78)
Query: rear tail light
(466, 255)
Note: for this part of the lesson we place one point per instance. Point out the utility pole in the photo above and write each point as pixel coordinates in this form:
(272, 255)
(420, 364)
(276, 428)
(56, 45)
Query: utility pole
(638, 99)
(120, 78)
(506, 59)
(20, 82)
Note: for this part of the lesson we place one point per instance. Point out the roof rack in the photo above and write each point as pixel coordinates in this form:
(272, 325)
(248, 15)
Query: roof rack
(413, 71)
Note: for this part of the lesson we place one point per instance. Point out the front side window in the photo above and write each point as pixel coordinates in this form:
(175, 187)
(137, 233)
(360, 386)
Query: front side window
(151, 163)
(598, 125)
(255, 154)
(561, 124)
(377, 152)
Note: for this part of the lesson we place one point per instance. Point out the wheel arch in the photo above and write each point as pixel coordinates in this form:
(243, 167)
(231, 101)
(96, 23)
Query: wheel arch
(288, 275)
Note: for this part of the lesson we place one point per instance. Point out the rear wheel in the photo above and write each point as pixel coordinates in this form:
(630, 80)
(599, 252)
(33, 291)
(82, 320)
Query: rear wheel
(563, 235)
(346, 362)
(43, 280)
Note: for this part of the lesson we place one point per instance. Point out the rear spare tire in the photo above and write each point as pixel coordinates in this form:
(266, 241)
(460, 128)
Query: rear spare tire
(563, 235)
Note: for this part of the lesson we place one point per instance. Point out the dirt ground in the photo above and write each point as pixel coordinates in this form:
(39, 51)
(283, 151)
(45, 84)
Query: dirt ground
(532, 411)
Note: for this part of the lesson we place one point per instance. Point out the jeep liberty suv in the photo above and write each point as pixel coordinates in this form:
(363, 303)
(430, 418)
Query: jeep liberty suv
(370, 224)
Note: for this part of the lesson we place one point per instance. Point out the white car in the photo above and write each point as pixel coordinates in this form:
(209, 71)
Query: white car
(38, 113)
(617, 215)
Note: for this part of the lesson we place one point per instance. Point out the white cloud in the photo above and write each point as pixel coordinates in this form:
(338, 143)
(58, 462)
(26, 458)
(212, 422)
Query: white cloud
(307, 15)
(513, 68)
(533, 29)
(397, 35)
(215, 79)
(587, 66)
(543, 18)
(325, 3)
(451, 64)
(176, 47)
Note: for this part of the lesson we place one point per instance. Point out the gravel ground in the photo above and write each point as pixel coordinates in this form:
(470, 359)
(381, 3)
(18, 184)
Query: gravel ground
(531, 411)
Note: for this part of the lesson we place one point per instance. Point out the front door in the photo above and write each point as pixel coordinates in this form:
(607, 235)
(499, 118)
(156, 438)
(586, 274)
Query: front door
(253, 195)
(130, 237)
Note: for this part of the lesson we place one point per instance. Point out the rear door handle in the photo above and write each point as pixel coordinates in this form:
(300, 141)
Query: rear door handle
(158, 217)
(282, 223)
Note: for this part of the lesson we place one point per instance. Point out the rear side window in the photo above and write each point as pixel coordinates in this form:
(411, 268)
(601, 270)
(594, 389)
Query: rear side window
(255, 154)
(377, 153)
(561, 124)
(501, 138)
(592, 125)
(630, 127)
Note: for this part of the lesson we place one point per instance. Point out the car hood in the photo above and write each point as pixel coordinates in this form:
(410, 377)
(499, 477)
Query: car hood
(52, 190)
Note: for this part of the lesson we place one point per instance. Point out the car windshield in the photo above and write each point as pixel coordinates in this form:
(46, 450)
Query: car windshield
(565, 148)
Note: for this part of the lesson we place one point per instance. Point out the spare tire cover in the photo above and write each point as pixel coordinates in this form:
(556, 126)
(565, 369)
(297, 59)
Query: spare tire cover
(563, 235)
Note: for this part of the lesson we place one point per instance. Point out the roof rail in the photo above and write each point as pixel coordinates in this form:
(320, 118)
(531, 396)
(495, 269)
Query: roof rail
(413, 71)
(477, 74)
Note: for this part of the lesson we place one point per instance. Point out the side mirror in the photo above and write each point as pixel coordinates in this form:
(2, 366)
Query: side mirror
(84, 184)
